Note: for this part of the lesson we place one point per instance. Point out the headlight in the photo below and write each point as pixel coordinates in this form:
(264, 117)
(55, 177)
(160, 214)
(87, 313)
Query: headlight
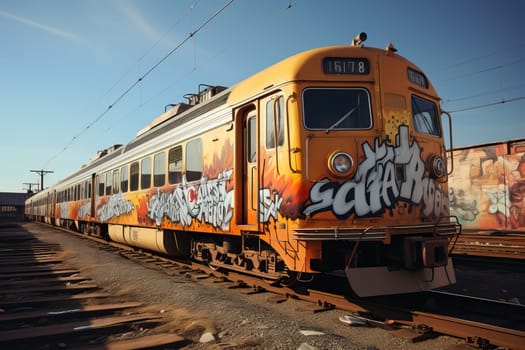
(436, 166)
(340, 163)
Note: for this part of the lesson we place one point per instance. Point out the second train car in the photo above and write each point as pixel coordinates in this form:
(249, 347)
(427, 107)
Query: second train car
(333, 159)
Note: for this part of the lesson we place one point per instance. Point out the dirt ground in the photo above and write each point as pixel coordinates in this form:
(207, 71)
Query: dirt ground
(230, 318)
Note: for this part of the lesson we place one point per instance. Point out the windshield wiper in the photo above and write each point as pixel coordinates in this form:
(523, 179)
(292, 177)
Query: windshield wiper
(344, 117)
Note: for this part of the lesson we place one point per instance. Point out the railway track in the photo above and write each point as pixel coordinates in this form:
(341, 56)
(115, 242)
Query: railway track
(45, 303)
(410, 320)
(507, 245)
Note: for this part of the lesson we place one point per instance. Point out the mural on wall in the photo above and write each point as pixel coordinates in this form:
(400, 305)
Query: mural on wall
(375, 187)
(487, 187)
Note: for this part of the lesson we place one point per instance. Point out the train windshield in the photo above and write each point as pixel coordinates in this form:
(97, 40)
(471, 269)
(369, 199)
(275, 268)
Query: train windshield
(336, 109)
(425, 117)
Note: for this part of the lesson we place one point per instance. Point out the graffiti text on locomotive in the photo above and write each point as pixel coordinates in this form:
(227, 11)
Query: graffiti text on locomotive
(387, 175)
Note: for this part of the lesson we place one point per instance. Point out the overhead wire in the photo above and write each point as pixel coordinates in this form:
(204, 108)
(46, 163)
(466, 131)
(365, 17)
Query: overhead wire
(198, 64)
(476, 58)
(141, 78)
(488, 104)
(481, 71)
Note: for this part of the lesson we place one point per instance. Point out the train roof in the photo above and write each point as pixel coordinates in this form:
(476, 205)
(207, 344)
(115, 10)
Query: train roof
(300, 67)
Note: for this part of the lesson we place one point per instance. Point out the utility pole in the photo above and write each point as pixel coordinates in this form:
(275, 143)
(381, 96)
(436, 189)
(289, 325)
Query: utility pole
(41, 173)
(30, 184)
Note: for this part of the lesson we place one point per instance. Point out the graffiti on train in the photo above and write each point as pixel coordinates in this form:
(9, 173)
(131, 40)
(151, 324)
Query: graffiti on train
(116, 205)
(84, 210)
(375, 186)
(209, 202)
(270, 202)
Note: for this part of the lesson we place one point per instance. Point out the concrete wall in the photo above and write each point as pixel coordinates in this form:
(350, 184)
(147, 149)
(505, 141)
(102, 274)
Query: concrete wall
(487, 187)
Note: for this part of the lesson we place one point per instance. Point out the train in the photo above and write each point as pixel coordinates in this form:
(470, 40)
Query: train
(333, 160)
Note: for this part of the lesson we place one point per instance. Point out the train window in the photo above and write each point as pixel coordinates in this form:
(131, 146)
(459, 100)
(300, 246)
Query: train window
(109, 183)
(275, 122)
(194, 160)
(116, 180)
(159, 172)
(145, 173)
(252, 140)
(425, 116)
(336, 109)
(175, 165)
(134, 176)
(101, 184)
(124, 179)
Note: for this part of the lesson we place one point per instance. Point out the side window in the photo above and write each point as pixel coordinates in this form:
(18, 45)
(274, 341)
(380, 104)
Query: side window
(116, 180)
(194, 160)
(124, 180)
(145, 173)
(425, 117)
(175, 165)
(134, 176)
(88, 189)
(101, 184)
(275, 122)
(252, 140)
(109, 181)
(159, 172)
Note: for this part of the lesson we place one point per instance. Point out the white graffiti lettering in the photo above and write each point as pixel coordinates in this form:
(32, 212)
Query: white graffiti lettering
(210, 203)
(117, 205)
(64, 210)
(376, 187)
(269, 207)
(84, 210)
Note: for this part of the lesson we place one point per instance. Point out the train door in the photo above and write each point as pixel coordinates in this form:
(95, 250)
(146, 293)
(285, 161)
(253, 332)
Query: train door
(250, 171)
(92, 195)
(53, 201)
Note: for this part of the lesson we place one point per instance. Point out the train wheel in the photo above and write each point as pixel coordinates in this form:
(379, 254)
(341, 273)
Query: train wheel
(290, 280)
(213, 267)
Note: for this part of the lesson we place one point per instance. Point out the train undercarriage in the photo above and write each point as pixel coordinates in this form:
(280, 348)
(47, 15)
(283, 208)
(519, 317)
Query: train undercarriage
(408, 263)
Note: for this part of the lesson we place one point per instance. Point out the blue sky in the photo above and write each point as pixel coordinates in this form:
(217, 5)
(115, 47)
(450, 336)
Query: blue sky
(64, 62)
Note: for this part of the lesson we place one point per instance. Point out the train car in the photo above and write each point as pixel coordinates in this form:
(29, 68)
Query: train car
(487, 188)
(331, 160)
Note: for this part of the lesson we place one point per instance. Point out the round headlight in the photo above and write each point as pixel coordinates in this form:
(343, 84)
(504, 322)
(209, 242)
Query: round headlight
(437, 166)
(340, 163)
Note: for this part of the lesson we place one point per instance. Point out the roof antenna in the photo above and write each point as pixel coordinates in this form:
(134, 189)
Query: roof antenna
(359, 39)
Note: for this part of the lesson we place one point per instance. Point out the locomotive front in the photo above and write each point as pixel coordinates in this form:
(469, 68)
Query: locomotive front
(370, 150)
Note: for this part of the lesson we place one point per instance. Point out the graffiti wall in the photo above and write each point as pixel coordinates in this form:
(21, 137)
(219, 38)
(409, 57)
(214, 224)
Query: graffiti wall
(487, 187)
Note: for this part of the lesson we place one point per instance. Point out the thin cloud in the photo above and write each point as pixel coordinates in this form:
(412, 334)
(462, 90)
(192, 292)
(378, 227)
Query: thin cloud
(135, 16)
(42, 27)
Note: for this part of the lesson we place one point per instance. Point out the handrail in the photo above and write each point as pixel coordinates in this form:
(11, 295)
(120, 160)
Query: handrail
(451, 143)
